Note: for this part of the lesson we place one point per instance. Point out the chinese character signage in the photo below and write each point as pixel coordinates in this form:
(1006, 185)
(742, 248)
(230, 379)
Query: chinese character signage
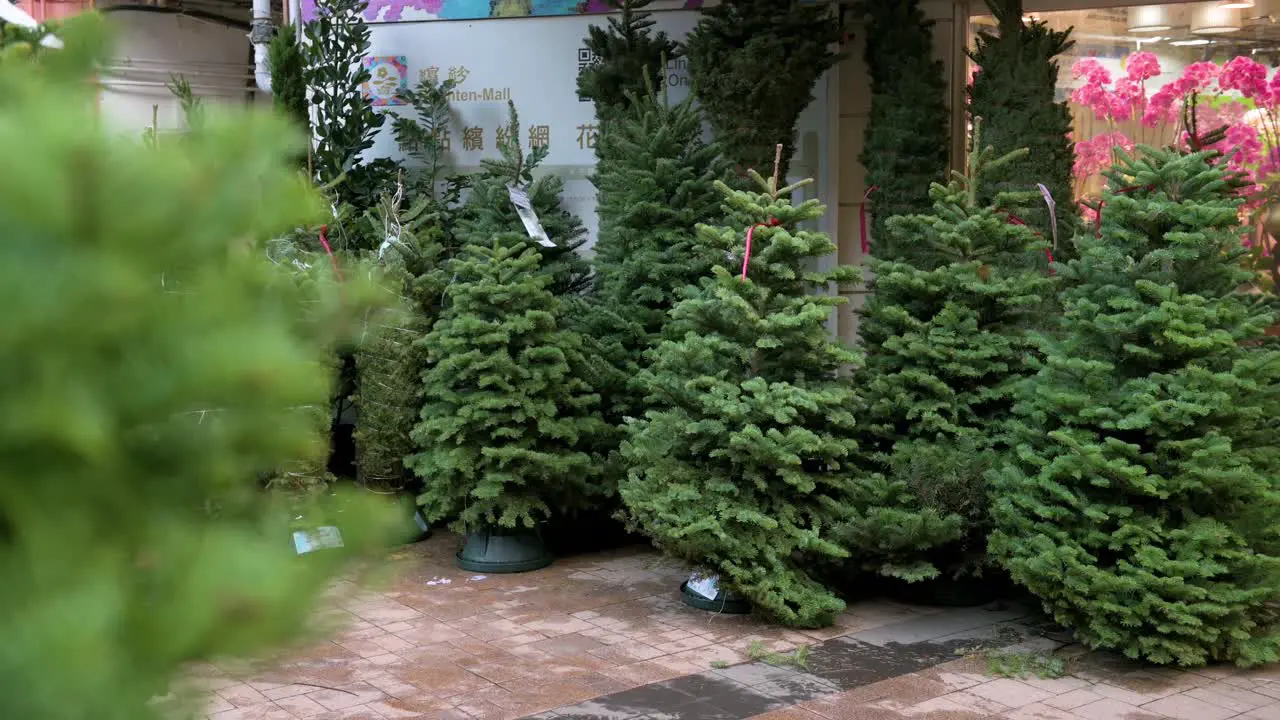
(534, 64)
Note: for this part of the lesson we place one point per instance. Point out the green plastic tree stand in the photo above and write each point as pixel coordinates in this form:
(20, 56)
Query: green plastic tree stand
(495, 551)
(724, 601)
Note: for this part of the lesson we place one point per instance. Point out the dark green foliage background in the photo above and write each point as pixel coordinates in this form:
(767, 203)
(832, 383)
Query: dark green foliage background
(907, 139)
(1015, 95)
(754, 64)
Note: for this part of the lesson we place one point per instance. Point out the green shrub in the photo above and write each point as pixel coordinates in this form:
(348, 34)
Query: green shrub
(153, 363)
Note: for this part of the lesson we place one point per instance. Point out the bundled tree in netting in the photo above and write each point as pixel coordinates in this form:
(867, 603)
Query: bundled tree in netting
(151, 372)
(389, 359)
(744, 460)
(754, 64)
(1140, 504)
(655, 182)
(945, 336)
(489, 210)
(507, 423)
(1015, 92)
(418, 244)
(629, 59)
(906, 144)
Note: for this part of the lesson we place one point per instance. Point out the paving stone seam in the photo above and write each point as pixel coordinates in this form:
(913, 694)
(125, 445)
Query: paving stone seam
(834, 666)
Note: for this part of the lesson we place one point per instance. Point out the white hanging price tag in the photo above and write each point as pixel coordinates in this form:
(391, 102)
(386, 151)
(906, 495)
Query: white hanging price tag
(524, 208)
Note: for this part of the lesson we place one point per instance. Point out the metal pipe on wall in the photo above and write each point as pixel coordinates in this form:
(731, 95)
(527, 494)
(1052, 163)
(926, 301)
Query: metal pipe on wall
(260, 32)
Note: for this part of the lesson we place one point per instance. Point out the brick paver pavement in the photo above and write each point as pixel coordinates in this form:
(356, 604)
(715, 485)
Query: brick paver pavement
(1098, 687)
(605, 637)
(439, 642)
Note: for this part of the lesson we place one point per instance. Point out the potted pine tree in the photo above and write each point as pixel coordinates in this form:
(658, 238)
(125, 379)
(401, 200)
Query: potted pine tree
(507, 423)
(655, 182)
(490, 210)
(744, 460)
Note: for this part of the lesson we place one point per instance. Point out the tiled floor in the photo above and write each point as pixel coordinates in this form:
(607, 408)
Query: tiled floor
(605, 637)
(1097, 688)
(439, 642)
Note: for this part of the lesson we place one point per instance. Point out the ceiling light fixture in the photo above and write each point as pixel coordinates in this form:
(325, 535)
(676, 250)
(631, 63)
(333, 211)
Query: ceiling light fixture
(1211, 19)
(1189, 43)
(1150, 19)
(1236, 4)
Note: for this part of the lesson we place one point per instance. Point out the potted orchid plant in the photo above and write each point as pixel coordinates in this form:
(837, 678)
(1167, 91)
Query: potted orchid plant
(1233, 108)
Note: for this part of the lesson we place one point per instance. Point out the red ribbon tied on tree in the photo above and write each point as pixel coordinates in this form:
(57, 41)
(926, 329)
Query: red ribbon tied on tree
(324, 240)
(1097, 231)
(1048, 252)
(746, 256)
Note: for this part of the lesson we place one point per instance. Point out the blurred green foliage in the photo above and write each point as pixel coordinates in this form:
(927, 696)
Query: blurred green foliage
(154, 364)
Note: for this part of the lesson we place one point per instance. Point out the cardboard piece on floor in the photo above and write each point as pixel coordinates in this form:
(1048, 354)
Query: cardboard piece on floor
(321, 538)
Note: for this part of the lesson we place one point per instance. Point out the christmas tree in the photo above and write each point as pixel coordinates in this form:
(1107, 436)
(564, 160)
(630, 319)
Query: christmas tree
(743, 461)
(489, 210)
(629, 60)
(906, 143)
(754, 64)
(389, 359)
(425, 137)
(655, 183)
(288, 76)
(502, 434)
(945, 336)
(1141, 505)
(418, 244)
(1015, 92)
(151, 370)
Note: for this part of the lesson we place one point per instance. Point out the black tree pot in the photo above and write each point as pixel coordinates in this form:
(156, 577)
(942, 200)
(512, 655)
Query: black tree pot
(502, 550)
(587, 531)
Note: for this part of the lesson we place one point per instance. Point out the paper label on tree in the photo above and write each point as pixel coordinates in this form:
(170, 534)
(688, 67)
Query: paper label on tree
(708, 586)
(322, 538)
(524, 208)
